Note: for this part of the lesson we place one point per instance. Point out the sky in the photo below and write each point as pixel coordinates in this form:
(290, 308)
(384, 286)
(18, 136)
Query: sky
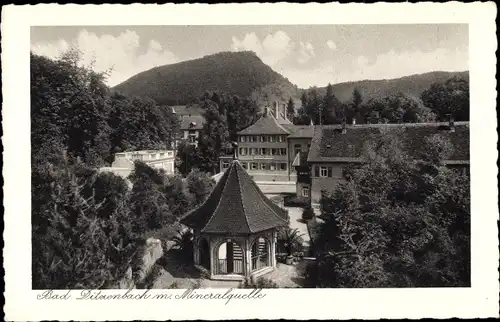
(308, 55)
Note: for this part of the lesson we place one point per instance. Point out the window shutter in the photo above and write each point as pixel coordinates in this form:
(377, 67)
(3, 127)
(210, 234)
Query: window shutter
(316, 171)
(330, 172)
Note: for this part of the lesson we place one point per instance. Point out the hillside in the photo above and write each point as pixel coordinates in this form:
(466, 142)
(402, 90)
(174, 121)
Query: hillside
(413, 85)
(240, 73)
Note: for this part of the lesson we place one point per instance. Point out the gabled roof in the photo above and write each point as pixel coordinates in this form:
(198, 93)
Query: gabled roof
(300, 159)
(236, 206)
(266, 124)
(187, 110)
(300, 131)
(330, 145)
(193, 122)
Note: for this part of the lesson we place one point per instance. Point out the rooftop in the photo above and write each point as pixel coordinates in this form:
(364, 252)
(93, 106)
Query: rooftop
(266, 124)
(193, 122)
(236, 206)
(329, 144)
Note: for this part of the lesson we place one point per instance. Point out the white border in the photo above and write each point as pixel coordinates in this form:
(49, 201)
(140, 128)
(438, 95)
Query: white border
(481, 300)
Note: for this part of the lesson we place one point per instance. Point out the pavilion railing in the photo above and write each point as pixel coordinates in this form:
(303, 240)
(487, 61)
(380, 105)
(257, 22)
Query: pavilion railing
(222, 266)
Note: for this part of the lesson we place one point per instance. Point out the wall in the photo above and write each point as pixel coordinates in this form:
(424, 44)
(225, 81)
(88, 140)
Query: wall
(328, 183)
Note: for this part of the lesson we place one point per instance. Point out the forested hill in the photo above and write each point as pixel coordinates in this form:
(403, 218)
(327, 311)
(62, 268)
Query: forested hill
(239, 73)
(413, 85)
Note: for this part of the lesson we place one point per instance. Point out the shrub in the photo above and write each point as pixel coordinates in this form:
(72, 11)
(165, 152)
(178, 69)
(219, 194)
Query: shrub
(260, 282)
(308, 213)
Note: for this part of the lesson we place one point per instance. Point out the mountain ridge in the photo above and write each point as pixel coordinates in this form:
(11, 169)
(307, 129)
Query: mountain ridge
(244, 74)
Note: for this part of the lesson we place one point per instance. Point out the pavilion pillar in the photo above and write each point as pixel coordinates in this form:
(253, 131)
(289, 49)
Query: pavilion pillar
(196, 248)
(248, 257)
(274, 237)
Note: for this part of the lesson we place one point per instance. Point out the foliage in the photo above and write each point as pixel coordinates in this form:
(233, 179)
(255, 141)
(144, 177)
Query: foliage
(450, 98)
(398, 108)
(258, 283)
(200, 185)
(73, 110)
(396, 222)
(290, 239)
(184, 241)
(308, 213)
(76, 244)
(290, 109)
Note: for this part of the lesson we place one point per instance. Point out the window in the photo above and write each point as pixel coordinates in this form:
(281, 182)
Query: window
(242, 139)
(271, 138)
(162, 155)
(263, 166)
(283, 151)
(255, 166)
(243, 151)
(283, 166)
(323, 172)
(272, 167)
(253, 151)
(305, 191)
(244, 165)
(272, 151)
(192, 139)
(264, 151)
(225, 165)
(254, 138)
(280, 138)
(263, 138)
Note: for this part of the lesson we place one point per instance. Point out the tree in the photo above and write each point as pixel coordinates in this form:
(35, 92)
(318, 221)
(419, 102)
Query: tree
(149, 203)
(187, 157)
(200, 185)
(356, 107)
(399, 108)
(290, 239)
(397, 221)
(214, 137)
(450, 98)
(332, 110)
(290, 109)
(75, 243)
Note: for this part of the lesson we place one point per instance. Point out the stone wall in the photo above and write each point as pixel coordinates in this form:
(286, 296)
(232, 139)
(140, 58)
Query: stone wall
(152, 253)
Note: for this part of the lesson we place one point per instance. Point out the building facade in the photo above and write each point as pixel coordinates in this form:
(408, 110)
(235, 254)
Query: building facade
(191, 123)
(334, 147)
(123, 165)
(267, 148)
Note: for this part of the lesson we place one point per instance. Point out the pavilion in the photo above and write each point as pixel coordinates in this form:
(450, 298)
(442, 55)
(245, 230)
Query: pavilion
(235, 229)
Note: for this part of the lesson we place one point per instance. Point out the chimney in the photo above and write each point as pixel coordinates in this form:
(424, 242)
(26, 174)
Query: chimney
(344, 126)
(451, 123)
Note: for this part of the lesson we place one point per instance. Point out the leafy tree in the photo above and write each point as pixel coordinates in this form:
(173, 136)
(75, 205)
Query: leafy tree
(214, 137)
(290, 109)
(399, 108)
(187, 157)
(290, 239)
(397, 221)
(451, 98)
(76, 244)
(149, 202)
(308, 213)
(184, 241)
(200, 185)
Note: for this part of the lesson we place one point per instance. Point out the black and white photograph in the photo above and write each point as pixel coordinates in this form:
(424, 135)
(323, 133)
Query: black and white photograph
(252, 156)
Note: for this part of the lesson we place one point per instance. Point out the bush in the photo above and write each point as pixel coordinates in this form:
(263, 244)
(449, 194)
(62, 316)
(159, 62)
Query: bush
(294, 201)
(261, 282)
(308, 213)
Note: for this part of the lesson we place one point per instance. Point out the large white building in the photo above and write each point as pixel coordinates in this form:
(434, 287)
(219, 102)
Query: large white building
(159, 159)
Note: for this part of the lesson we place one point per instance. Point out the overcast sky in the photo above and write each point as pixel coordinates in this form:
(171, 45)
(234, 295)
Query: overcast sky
(307, 55)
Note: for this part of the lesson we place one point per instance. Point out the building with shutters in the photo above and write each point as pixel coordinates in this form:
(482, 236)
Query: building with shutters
(267, 148)
(235, 229)
(334, 147)
(191, 122)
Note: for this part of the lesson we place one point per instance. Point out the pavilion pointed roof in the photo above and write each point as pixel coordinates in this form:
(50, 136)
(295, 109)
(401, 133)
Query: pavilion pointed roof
(266, 124)
(236, 206)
